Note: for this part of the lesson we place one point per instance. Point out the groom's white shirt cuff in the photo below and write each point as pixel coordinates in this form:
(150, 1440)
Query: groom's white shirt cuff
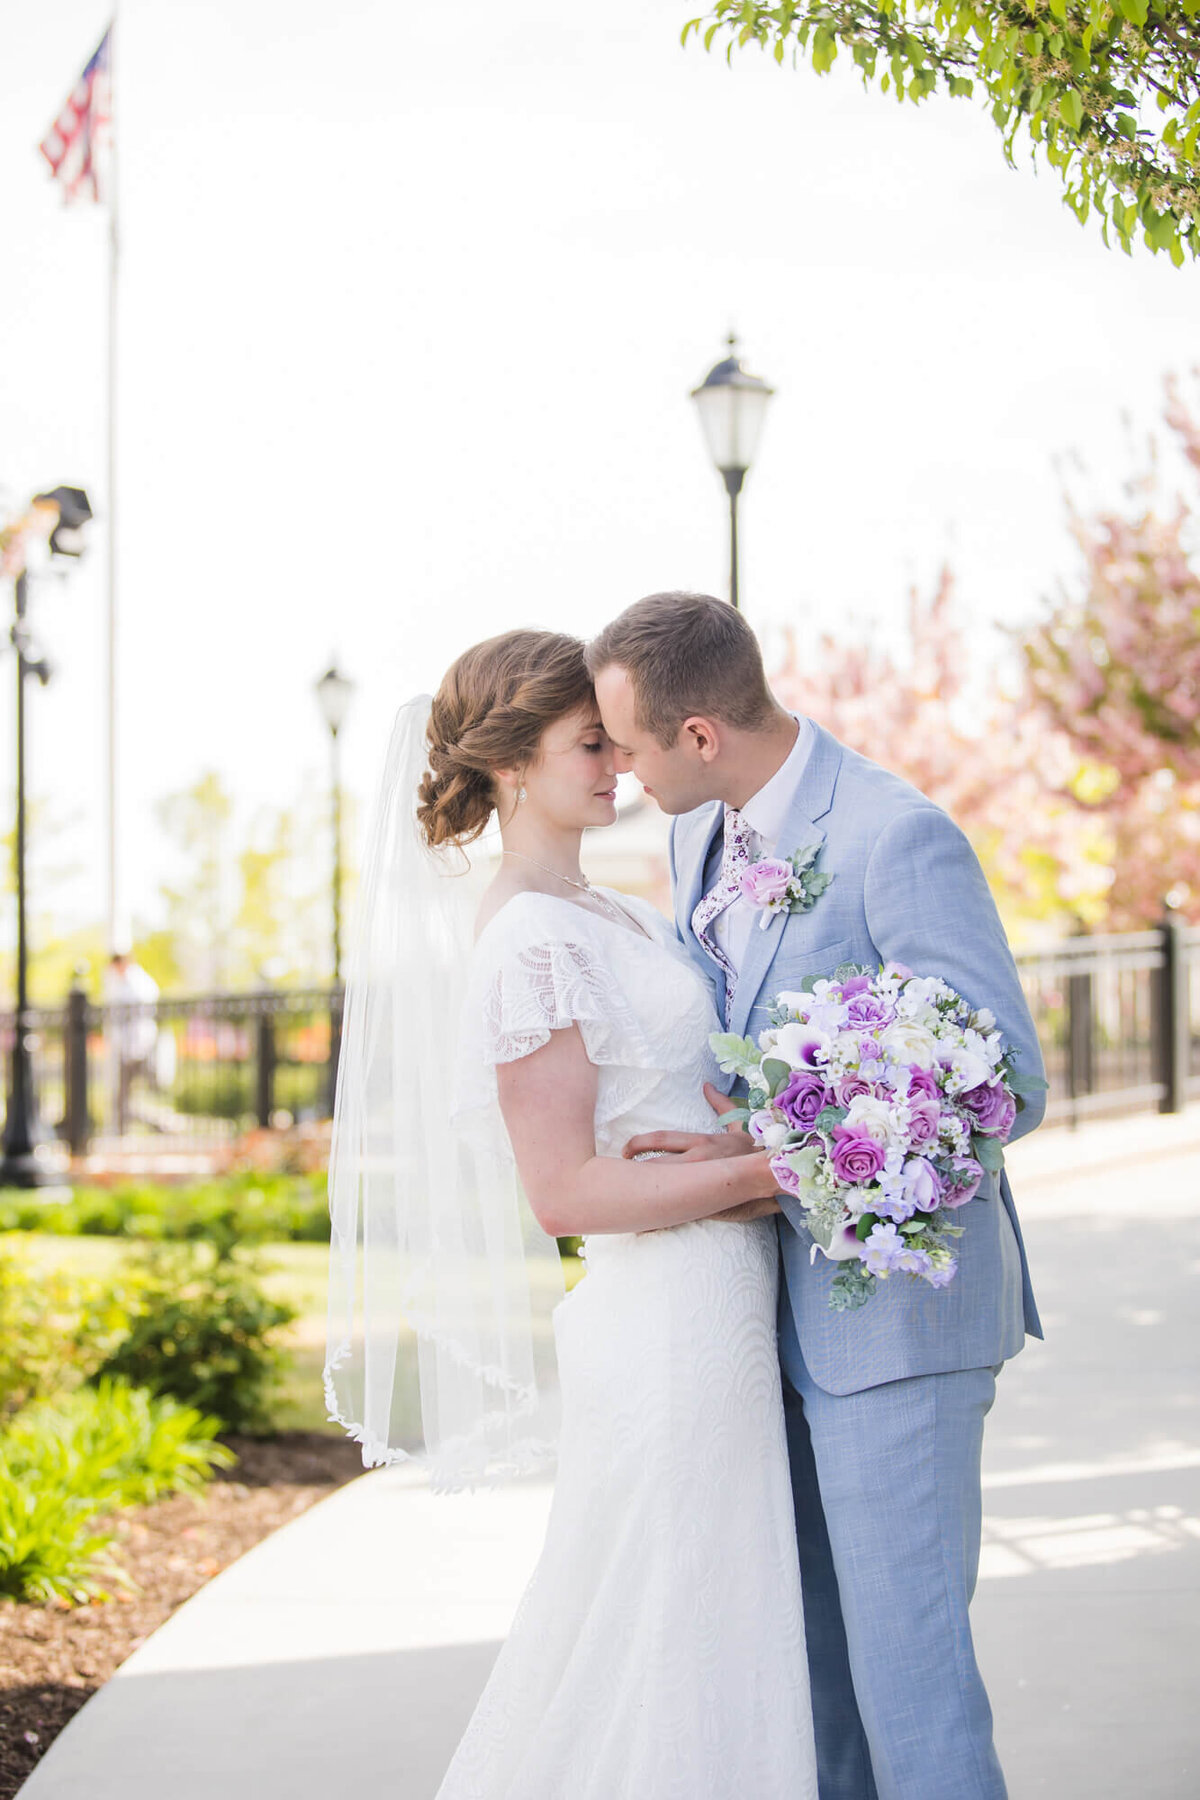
(766, 813)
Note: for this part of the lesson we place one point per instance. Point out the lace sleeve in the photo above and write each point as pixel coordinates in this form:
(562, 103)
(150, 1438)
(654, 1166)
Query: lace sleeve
(542, 965)
(548, 983)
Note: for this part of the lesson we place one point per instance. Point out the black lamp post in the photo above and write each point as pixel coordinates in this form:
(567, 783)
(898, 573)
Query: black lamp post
(61, 514)
(732, 406)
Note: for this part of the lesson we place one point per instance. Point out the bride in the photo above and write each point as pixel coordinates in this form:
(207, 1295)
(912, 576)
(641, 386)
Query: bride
(492, 1068)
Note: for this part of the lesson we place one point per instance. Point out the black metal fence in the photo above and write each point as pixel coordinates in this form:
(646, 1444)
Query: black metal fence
(188, 1072)
(1118, 1017)
(1119, 1021)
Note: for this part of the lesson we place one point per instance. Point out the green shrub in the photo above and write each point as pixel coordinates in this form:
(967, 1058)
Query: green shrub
(246, 1208)
(63, 1461)
(122, 1444)
(44, 1346)
(48, 1547)
(199, 1331)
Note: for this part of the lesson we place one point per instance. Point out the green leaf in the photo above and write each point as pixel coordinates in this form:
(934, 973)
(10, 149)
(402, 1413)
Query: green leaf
(775, 1073)
(988, 1153)
(1070, 109)
(829, 1116)
(820, 1234)
(1030, 1084)
(824, 49)
(735, 1055)
(851, 1288)
(865, 1227)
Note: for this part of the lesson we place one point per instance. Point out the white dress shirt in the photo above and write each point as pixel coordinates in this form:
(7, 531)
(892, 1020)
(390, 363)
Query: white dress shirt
(766, 813)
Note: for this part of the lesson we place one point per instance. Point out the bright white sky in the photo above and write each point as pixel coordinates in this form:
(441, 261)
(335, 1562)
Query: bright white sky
(412, 301)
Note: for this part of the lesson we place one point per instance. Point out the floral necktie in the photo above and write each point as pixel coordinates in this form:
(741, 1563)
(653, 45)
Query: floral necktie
(735, 860)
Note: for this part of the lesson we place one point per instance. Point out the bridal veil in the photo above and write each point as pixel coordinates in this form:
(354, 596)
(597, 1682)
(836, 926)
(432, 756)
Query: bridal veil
(442, 1284)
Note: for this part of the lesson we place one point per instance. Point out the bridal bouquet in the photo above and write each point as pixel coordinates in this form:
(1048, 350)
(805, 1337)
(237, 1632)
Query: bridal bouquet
(884, 1097)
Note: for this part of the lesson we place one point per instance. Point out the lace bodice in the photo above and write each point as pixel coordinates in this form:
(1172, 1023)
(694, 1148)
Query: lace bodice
(643, 1009)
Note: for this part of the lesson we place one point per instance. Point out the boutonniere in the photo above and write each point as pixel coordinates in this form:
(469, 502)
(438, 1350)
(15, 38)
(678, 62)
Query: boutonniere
(792, 884)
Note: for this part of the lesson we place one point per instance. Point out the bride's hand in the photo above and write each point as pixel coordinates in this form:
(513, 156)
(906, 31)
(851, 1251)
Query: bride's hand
(700, 1146)
(749, 1209)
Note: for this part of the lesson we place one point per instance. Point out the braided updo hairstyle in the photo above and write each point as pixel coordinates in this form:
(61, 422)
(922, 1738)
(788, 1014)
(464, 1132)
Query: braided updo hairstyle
(489, 713)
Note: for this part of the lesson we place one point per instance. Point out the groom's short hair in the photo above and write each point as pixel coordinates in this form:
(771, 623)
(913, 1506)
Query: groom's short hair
(685, 654)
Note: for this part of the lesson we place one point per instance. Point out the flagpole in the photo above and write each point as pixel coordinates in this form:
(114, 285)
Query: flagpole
(111, 597)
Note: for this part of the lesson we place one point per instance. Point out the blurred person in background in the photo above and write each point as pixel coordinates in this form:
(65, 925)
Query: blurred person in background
(132, 1033)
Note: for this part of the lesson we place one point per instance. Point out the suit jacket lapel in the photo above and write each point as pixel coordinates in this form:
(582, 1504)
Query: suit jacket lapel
(811, 801)
(705, 828)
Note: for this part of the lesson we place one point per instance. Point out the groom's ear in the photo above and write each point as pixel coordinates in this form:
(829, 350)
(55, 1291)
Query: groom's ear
(702, 737)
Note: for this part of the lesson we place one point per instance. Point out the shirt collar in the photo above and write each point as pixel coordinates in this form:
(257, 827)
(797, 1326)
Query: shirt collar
(766, 811)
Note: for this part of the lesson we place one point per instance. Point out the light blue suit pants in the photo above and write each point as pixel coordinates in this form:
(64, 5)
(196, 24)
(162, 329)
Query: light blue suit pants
(888, 1519)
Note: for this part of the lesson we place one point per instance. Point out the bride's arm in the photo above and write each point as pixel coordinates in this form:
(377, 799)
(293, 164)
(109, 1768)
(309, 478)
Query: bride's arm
(548, 1100)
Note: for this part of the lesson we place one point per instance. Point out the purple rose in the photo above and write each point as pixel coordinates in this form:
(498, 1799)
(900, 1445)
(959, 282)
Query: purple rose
(866, 1011)
(766, 882)
(785, 1175)
(923, 1185)
(856, 1155)
(856, 984)
(992, 1109)
(900, 970)
(850, 1085)
(923, 1081)
(803, 1098)
(924, 1118)
(963, 1185)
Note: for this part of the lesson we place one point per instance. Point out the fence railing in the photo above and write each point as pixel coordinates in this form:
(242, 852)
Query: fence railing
(1118, 1018)
(190, 1072)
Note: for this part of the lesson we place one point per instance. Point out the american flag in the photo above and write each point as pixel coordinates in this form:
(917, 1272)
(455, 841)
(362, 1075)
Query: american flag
(70, 144)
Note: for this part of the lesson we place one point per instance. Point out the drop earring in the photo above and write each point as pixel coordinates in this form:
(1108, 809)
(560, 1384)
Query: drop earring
(521, 796)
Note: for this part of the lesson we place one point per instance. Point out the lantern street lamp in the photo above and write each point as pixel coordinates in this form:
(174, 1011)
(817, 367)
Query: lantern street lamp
(56, 518)
(732, 405)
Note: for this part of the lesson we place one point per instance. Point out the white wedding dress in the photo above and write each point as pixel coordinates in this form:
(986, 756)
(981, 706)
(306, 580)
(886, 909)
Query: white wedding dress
(658, 1650)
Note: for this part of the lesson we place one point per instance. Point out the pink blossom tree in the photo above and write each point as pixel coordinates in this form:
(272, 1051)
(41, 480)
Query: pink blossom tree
(1002, 772)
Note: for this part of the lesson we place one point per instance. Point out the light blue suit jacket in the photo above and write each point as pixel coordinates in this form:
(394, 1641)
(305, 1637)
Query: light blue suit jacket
(907, 886)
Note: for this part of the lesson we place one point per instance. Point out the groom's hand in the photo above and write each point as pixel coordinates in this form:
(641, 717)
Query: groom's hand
(699, 1146)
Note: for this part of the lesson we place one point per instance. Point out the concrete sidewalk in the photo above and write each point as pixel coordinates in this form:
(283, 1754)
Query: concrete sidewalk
(346, 1651)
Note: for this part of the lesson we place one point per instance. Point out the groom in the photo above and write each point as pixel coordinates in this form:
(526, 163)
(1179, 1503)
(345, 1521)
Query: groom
(884, 1406)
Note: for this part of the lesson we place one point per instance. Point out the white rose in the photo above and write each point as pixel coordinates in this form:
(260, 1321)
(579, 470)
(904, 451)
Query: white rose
(768, 1129)
(916, 1009)
(874, 1116)
(905, 1042)
(967, 1070)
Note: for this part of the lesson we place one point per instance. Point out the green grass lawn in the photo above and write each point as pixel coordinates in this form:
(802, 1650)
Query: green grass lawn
(298, 1274)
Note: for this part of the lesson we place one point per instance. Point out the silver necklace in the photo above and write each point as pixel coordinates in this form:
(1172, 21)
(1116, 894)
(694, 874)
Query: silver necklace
(585, 887)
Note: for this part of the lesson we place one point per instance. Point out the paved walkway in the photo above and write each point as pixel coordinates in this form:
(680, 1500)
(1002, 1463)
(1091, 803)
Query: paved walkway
(344, 1654)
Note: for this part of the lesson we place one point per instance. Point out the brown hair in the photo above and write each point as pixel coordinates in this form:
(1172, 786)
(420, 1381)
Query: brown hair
(489, 713)
(684, 654)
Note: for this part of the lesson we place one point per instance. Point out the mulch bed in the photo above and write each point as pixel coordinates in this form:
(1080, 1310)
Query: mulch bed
(53, 1657)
